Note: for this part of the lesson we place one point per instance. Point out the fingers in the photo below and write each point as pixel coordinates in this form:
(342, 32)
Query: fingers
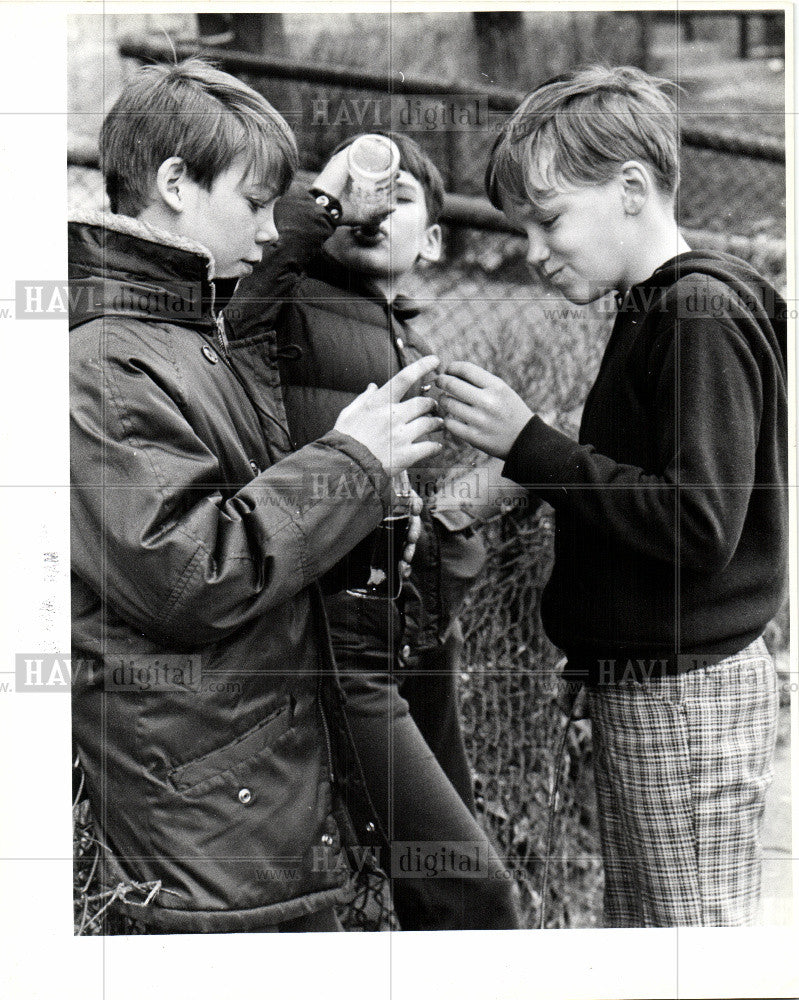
(414, 531)
(423, 425)
(454, 408)
(471, 373)
(456, 388)
(375, 218)
(397, 387)
(411, 408)
(419, 451)
(463, 431)
(334, 175)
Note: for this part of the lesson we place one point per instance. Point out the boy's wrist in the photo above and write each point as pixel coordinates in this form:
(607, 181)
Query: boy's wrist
(332, 179)
(329, 202)
(539, 454)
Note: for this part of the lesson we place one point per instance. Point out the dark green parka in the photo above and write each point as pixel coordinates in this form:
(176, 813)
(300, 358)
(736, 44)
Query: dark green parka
(202, 657)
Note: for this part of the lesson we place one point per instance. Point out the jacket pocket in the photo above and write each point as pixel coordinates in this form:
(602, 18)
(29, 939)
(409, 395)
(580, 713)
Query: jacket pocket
(201, 775)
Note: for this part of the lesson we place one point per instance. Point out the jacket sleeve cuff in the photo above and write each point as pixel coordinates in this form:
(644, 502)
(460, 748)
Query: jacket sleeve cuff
(298, 212)
(379, 479)
(539, 456)
(328, 202)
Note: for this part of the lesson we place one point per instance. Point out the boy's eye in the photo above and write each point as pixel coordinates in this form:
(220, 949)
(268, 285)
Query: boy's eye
(548, 223)
(256, 204)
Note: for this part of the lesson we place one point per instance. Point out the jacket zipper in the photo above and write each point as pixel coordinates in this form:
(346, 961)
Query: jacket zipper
(221, 342)
(326, 732)
(221, 338)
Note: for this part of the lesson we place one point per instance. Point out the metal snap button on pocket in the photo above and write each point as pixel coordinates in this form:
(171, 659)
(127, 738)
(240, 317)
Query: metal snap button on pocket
(210, 354)
(245, 796)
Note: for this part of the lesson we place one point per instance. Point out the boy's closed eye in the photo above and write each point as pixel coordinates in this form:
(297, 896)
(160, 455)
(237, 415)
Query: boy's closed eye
(404, 194)
(260, 198)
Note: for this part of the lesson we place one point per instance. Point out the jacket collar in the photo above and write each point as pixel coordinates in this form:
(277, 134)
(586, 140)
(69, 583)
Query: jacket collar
(119, 265)
(335, 273)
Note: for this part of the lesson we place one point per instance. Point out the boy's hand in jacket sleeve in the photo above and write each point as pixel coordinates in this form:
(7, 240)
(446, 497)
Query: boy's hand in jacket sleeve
(481, 409)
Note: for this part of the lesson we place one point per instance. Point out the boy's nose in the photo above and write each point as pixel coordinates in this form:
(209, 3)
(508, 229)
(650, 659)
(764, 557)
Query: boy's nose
(267, 231)
(537, 250)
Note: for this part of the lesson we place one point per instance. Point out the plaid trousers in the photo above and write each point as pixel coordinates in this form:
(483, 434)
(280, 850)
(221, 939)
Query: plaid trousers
(682, 765)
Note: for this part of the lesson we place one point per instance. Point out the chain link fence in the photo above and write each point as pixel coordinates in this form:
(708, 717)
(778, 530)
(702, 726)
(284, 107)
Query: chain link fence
(529, 746)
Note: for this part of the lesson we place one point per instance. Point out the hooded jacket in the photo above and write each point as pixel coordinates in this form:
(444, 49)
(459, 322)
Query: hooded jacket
(205, 709)
(671, 544)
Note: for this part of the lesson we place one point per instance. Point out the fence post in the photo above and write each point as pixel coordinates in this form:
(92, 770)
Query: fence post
(644, 39)
(743, 36)
(215, 29)
(264, 34)
(456, 235)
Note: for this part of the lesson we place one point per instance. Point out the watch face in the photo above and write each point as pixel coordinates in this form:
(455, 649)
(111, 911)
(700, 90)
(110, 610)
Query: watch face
(328, 202)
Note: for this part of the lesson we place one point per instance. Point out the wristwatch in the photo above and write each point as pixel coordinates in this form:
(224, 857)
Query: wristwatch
(328, 202)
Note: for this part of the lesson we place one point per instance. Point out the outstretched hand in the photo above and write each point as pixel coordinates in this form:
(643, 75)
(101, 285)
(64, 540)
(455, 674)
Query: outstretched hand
(481, 409)
(395, 432)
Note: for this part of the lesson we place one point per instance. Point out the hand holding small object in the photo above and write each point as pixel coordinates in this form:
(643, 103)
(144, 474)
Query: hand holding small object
(481, 409)
(395, 432)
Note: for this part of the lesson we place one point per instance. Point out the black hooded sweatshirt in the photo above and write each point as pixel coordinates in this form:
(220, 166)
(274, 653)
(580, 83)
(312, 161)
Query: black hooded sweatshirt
(671, 542)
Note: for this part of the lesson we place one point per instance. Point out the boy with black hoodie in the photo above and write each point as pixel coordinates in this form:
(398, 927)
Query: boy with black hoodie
(671, 510)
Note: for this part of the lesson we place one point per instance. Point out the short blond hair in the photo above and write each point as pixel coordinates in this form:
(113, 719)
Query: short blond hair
(579, 128)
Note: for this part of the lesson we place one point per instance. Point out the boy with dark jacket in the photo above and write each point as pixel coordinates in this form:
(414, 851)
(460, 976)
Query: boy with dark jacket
(671, 510)
(206, 713)
(327, 296)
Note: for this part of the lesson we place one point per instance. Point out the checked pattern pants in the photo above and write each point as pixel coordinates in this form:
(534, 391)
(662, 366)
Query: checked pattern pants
(682, 765)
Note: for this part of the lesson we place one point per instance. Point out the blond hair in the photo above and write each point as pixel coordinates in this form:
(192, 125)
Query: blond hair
(579, 128)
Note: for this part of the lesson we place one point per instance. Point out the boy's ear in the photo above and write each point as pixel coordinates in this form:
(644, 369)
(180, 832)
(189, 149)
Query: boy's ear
(636, 186)
(169, 182)
(432, 244)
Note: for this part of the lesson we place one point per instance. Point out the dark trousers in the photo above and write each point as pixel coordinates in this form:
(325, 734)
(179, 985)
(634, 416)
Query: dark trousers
(415, 766)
